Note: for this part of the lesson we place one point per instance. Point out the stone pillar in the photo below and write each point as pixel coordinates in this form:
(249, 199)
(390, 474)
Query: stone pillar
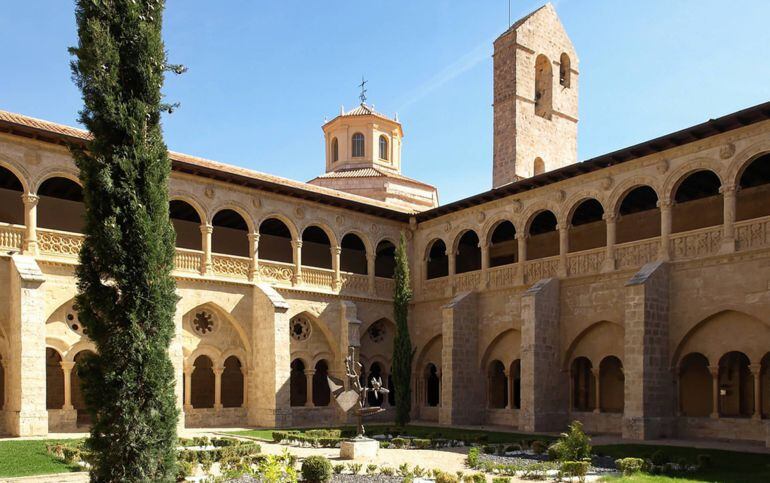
(544, 387)
(461, 388)
(218, 387)
(563, 248)
(296, 245)
(309, 373)
(521, 238)
(756, 372)
(30, 222)
(245, 395)
(254, 255)
(665, 229)
(595, 371)
(714, 370)
(612, 226)
(206, 231)
(66, 367)
(336, 252)
(507, 373)
(728, 229)
(484, 265)
(188, 370)
(269, 368)
(25, 411)
(371, 259)
(648, 389)
(452, 256)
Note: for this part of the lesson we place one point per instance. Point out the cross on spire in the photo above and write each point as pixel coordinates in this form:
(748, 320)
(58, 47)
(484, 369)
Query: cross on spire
(362, 85)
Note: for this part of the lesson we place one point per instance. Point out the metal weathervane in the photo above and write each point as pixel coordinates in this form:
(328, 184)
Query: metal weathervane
(355, 397)
(362, 85)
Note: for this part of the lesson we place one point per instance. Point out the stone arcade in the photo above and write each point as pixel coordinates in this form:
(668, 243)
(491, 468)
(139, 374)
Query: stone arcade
(630, 291)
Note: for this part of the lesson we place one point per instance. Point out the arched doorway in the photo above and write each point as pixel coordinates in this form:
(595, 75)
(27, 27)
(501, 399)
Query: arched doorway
(202, 383)
(437, 263)
(611, 385)
(385, 261)
(587, 227)
(316, 248)
(432, 386)
(275, 241)
(503, 247)
(543, 240)
(583, 385)
(698, 202)
(736, 385)
(468, 257)
(638, 215)
(516, 381)
(353, 254)
(232, 383)
(230, 234)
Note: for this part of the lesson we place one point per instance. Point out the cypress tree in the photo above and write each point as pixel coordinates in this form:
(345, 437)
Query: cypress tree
(402, 345)
(126, 295)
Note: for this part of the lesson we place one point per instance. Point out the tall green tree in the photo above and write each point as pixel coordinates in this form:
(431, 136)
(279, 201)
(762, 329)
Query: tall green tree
(126, 299)
(402, 345)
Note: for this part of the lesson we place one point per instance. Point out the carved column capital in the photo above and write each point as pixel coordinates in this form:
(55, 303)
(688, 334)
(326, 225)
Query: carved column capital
(29, 199)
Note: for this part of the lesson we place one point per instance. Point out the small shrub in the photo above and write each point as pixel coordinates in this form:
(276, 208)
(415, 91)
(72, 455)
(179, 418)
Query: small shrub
(659, 458)
(371, 469)
(418, 471)
(535, 471)
(387, 470)
(403, 470)
(422, 443)
(574, 469)
(473, 457)
(501, 479)
(555, 451)
(489, 449)
(442, 477)
(539, 447)
(399, 443)
(355, 468)
(574, 445)
(475, 478)
(384, 444)
(183, 470)
(316, 469)
(71, 455)
(704, 460)
(338, 469)
(630, 466)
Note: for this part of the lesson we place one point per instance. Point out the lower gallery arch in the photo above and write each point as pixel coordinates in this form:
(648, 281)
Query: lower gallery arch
(321, 391)
(638, 215)
(736, 386)
(583, 385)
(497, 385)
(78, 399)
(611, 382)
(54, 380)
(432, 385)
(427, 379)
(297, 383)
(232, 383)
(11, 205)
(695, 386)
(202, 383)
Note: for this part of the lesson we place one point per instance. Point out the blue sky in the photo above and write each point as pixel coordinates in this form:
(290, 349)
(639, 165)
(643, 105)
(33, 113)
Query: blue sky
(263, 75)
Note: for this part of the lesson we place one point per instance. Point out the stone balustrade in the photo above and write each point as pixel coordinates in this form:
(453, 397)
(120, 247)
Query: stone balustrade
(188, 260)
(59, 243)
(588, 262)
(11, 237)
(752, 234)
(696, 243)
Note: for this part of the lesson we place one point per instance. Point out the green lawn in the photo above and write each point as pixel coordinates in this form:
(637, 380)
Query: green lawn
(29, 457)
(726, 466)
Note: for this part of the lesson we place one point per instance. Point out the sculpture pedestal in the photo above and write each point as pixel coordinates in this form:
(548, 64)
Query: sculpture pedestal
(359, 448)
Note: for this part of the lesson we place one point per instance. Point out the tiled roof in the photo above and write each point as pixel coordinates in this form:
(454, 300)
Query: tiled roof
(60, 133)
(364, 110)
(369, 172)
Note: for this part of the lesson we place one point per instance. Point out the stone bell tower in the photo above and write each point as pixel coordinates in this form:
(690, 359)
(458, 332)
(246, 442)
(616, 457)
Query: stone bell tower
(535, 98)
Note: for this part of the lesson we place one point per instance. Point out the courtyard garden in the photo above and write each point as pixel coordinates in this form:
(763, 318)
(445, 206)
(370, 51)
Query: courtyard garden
(410, 454)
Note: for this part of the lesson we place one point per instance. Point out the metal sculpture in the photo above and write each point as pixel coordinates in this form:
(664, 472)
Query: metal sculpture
(355, 397)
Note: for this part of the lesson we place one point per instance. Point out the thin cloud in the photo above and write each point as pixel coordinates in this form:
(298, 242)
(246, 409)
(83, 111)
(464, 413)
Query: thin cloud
(465, 63)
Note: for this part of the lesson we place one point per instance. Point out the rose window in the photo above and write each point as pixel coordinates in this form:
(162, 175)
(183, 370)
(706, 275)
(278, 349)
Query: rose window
(300, 328)
(377, 332)
(204, 323)
(74, 323)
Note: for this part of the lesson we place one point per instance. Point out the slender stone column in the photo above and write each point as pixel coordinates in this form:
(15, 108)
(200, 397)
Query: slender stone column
(206, 231)
(254, 255)
(507, 373)
(296, 245)
(563, 248)
(665, 228)
(484, 265)
(597, 388)
(521, 238)
(452, 256)
(245, 397)
(66, 367)
(30, 223)
(728, 229)
(218, 387)
(612, 228)
(336, 252)
(756, 371)
(714, 370)
(188, 370)
(309, 373)
(371, 258)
